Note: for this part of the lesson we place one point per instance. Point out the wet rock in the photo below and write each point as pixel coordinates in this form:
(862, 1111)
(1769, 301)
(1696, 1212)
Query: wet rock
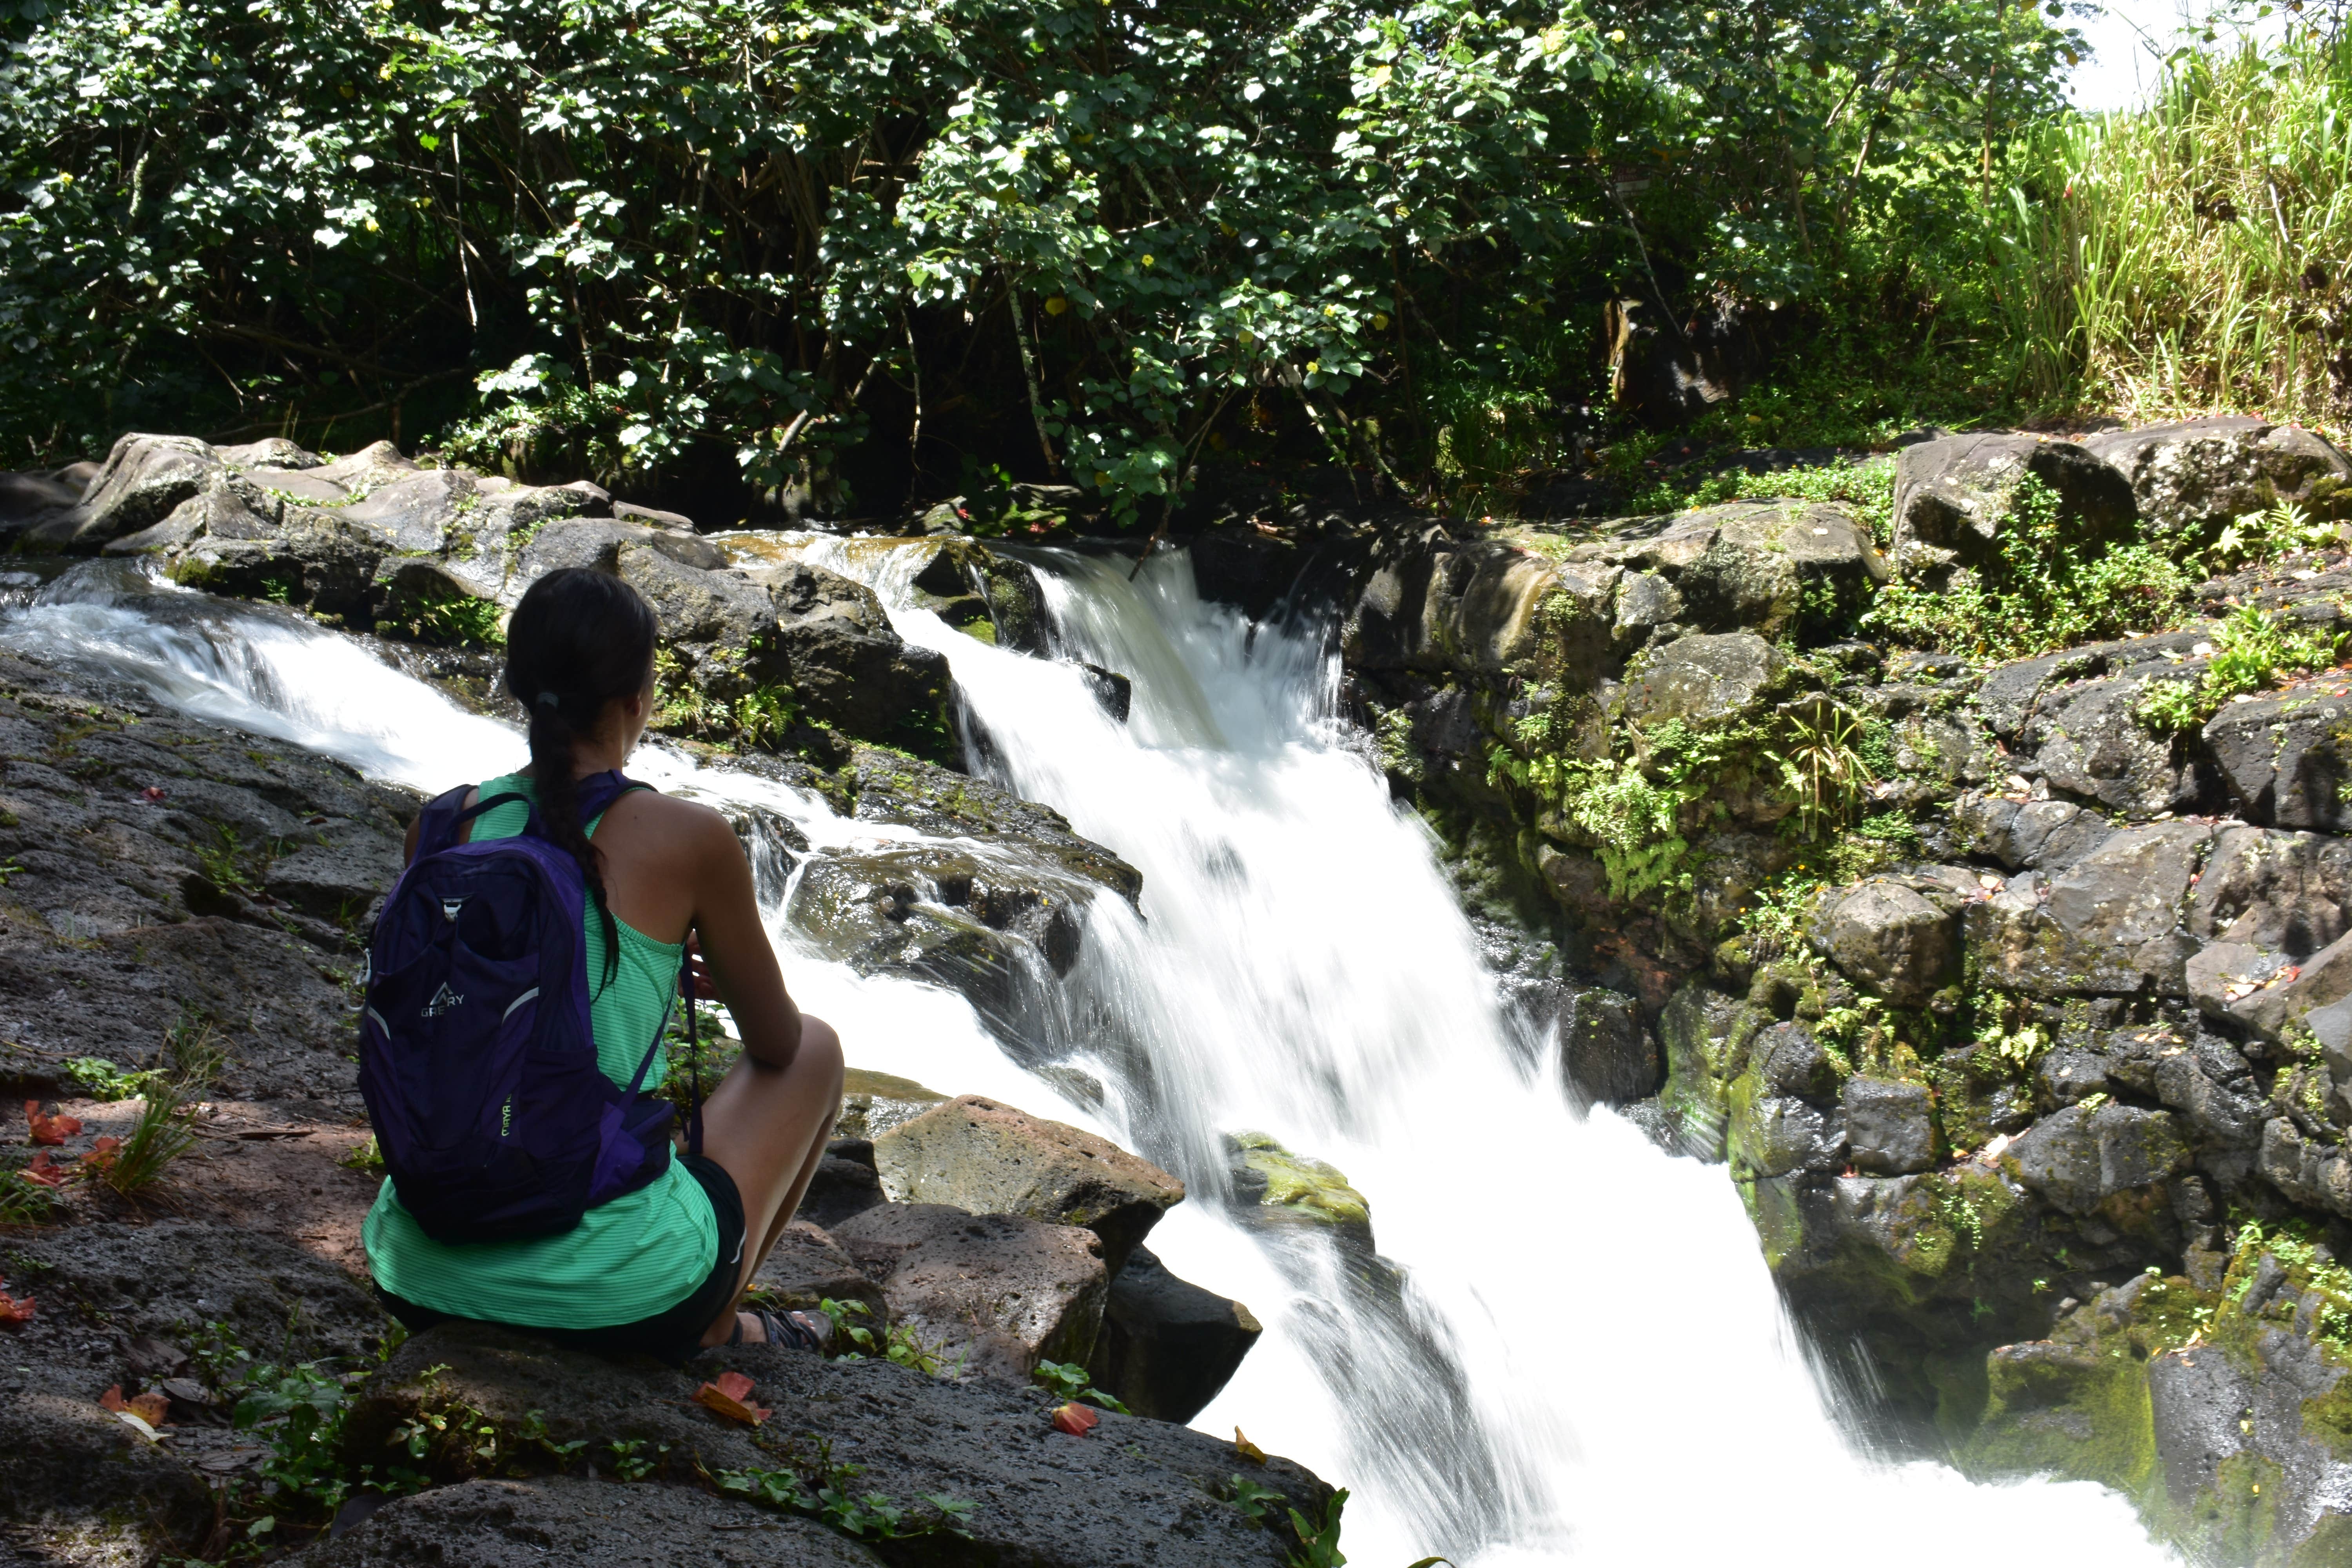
(1702, 678)
(1289, 1188)
(2079, 1159)
(27, 500)
(2282, 760)
(1952, 496)
(1485, 606)
(986, 1294)
(808, 1267)
(1705, 1036)
(1892, 939)
(512, 1523)
(1114, 692)
(1755, 561)
(891, 787)
(1607, 1057)
(1136, 1493)
(988, 1158)
(339, 875)
(2317, 1176)
(874, 1102)
(2193, 472)
(2110, 924)
(145, 476)
(848, 667)
(1889, 1125)
(413, 512)
(718, 625)
(1783, 1112)
(1168, 1347)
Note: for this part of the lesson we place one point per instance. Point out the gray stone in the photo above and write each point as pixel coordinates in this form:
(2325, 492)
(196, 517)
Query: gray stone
(1606, 1055)
(1440, 606)
(2111, 924)
(2324, 978)
(2225, 1113)
(987, 1294)
(413, 513)
(1136, 1493)
(2010, 694)
(874, 1102)
(1702, 677)
(845, 1184)
(2289, 893)
(809, 1268)
(304, 490)
(504, 1523)
(1760, 558)
(2088, 741)
(2283, 761)
(1774, 1135)
(368, 469)
(988, 1158)
(2317, 1176)
(1889, 1126)
(27, 499)
(270, 452)
(338, 875)
(1952, 497)
(2194, 472)
(2224, 976)
(1645, 600)
(143, 479)
(1168, 1347)
(2077, 1159)
(848, 667)
(1888, 937)
(671, 521)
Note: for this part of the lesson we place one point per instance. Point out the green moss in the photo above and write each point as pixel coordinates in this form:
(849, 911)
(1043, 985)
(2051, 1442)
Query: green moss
(1300, 1184)
(2080, 1411)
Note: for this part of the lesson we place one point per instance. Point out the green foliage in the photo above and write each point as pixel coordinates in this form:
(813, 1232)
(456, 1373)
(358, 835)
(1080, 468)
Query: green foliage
(452, 619)
(23, 1201)
(2270, 534)
(365, 1157)
(1068, 1380)
(897, 1344)
(630, 1462)
(2039, 595)
(162, 1132)
(818, 1487)
(2010, 1034)
(101, 1079)
(298, 1412)
(1868, 487)
(2293, 1242)
(2252, 650)
(1318, 1544)
(1822, 768)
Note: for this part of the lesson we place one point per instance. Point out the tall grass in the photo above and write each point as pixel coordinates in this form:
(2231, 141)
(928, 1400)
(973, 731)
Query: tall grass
(2193, 254)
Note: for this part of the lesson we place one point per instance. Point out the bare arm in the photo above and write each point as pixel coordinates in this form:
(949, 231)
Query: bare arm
(734, 944)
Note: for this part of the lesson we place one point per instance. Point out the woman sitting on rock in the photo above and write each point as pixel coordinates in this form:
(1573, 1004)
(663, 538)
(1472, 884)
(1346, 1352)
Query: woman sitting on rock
(658, 1269)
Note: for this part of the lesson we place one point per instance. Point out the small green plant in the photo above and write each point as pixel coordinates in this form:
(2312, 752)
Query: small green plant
(458, 619)
(298, 1412)
(23, 1201)
(1318, 1544)
(1068, 1380)
(2277, 530)
(221, 861)
(818, 1487)
(1254, 1500)
(2252, 650)
(1822, 768)
(2038, 594)
(365, 1157)
(632, 1463)
(101, 1079)
(161, 1135)
(896, 1344)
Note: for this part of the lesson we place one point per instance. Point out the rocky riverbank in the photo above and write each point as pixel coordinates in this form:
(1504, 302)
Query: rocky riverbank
(2012, 994)
(199, 1367)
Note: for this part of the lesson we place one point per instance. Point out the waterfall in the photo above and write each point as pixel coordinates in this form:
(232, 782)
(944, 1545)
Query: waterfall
(1569, 1349)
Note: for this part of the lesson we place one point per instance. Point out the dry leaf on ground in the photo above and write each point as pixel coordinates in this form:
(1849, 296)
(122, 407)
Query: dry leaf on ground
(730, 1394)
(52, 1131)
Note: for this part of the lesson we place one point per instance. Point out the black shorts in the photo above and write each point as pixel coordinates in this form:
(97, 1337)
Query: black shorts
(673, 1335)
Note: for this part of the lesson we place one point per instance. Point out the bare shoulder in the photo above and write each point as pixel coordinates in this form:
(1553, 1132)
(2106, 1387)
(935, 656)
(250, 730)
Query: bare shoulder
(679, 824)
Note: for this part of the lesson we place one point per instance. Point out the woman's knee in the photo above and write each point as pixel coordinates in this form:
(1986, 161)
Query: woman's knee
(820, 1048)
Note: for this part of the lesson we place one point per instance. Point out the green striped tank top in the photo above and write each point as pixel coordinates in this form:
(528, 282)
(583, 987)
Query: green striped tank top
(634, 1258)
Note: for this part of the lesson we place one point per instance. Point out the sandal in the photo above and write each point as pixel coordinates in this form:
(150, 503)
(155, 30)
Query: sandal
(791, 1329)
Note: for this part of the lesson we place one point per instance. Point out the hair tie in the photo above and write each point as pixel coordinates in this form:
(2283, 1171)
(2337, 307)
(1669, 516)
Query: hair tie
(549, 700)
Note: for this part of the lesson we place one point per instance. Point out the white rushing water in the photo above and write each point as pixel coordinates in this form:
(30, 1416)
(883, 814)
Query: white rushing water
(1575, 1354)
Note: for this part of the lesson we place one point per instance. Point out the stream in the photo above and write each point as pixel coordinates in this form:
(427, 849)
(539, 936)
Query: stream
(1569, 1349)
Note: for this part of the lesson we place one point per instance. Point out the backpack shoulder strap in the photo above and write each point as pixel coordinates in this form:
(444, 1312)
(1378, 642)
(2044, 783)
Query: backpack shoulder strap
(599, 791)
(438, 824)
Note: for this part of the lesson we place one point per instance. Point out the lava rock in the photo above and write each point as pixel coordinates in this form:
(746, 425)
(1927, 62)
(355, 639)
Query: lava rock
(987, 1294)
(2192, 472)
(989, 1158)
(808, 1267)
(2111, 924)
(1891, 938)
(1441, 604)
(1952, 496)
(2088, 740)
(145, 476)
(1889, 1125)
(1168, 1347)
(2078, 1159)
(2282, 761)
(1606, 1055)
(1704, 678)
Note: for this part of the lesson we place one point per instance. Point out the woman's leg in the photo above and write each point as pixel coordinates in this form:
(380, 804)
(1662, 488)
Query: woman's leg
(767, 1130)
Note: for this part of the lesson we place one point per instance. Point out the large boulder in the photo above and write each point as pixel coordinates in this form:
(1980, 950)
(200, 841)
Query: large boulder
(1439, 604)
(2078, 1159)
(1890, 1127)
(2195, 472)
(1168, 1347)
(1952, 497)
(987, 1294)
(1607, 1056)
(521, 1523)
(145, 476)
(1785, 1112)
(1136, 1493)
(1702, 678)
(989, 1158)
(30, 499)
(1750, 565)
(2286, 892)
(2110, 924)
(848, 667)
(2088, 740)
(2283, 761)
(808, 1267)
(1893, 939)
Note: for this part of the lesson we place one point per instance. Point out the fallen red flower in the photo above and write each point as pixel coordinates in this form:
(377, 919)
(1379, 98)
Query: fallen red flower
(102, 1154)
(13, 1310)
(50, 1130)
(731, 1395)
(42, 1173)
(152, 792)
(1076, 1419)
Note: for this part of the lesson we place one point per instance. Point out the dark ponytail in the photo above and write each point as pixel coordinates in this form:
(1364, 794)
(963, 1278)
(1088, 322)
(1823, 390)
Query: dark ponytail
(579, 640)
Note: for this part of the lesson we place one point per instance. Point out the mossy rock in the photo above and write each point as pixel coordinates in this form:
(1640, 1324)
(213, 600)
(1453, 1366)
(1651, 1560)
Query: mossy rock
(1296, 1187)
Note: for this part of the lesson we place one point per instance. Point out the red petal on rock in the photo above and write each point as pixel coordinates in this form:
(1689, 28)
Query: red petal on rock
(715, 1398)
(1076, 1419)
(113, 1399)
(735, 1385)
(13, 1310)
(42, 1173)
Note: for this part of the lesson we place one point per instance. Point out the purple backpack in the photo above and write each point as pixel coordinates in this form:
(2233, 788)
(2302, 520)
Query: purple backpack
(477, 1057)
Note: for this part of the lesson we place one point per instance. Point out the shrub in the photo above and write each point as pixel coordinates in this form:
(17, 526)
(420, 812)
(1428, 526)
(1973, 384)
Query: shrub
(2251, 650)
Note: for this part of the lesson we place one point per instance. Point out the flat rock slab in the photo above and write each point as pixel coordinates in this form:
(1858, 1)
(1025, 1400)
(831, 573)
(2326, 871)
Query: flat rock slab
(986, 1157)
(990, 1294)
(509, 1523)
(1133, 1492)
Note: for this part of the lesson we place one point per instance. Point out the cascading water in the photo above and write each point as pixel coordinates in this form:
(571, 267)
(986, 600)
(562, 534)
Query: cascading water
(1572, 1352)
